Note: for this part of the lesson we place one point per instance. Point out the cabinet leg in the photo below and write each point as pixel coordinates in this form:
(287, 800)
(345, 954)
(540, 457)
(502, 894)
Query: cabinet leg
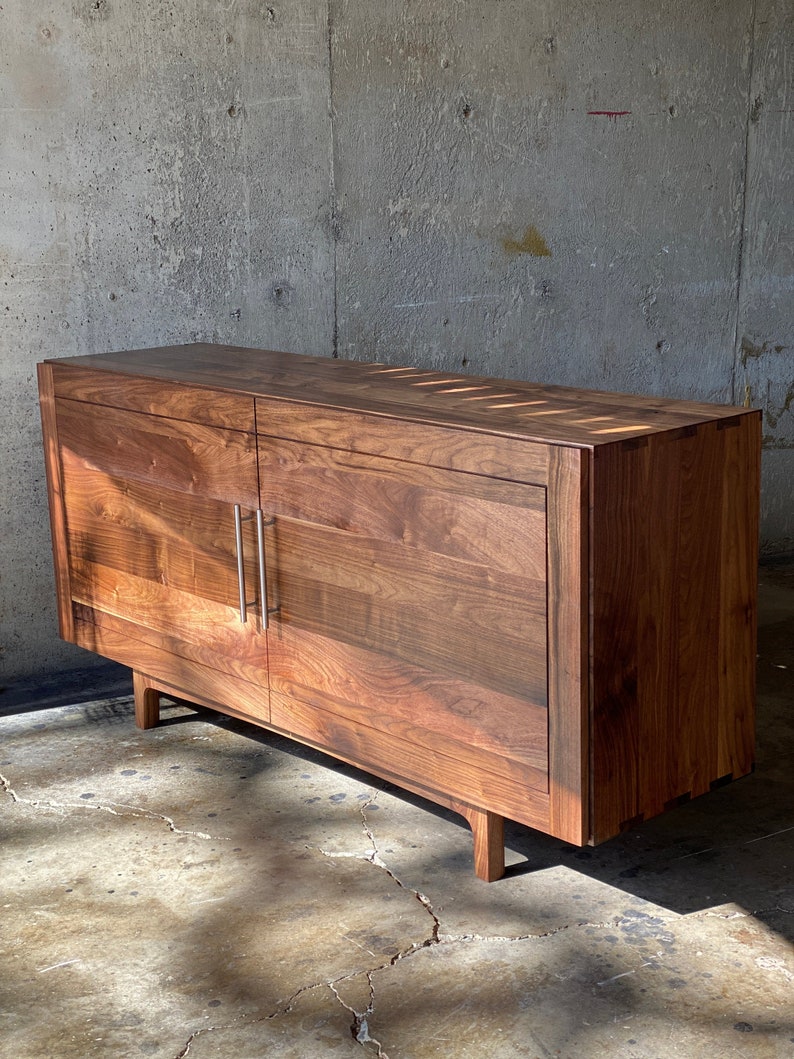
(147, 701)
(488, 830)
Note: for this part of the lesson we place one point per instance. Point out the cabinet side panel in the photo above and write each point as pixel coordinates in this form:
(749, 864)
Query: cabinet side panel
(568, 635)
(738, 590)
(674, 544)
(619, 544)
(679, 680)
(52, 463)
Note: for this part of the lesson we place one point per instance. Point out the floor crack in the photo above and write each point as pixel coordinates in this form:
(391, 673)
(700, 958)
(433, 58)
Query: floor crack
(284, 1008)
(375, 858)
(457, 939)
(359, 1027)
(112, 808)
(360, 1024)
(436, 937)
(754, 913)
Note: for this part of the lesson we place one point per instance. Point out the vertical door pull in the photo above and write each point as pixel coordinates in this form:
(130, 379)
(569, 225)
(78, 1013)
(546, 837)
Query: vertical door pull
(260, 547)
(238, 535)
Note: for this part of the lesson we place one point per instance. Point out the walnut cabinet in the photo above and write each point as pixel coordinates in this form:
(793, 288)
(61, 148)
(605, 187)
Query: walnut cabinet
(521, 602)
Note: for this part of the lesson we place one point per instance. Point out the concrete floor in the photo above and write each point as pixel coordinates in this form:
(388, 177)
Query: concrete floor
(207, 890)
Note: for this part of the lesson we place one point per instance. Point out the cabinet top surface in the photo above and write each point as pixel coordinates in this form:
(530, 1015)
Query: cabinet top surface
(555, 414)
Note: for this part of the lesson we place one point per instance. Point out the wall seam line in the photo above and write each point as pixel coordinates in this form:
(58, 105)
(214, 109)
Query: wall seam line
(743, 212)
(332, 184)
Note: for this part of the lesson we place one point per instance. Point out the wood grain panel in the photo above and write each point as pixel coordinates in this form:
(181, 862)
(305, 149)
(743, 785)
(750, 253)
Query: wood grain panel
(378, 554)
(187, 457)
(156, 533)
(57, 506)
(620, 565)
(677, 687)
(568, 644)
(741, 469)
(673, 591)
(392, 757)
(195, 682)
(399, 697)
(210, 407)
(192, 618)
(447, 615)
(149, 539)
(249, 665)
(479, 520)
(478, 453)
(561, 415)
(412, 602)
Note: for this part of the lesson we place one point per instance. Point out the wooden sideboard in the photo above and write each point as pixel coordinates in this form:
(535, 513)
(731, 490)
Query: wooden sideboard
(520, 601)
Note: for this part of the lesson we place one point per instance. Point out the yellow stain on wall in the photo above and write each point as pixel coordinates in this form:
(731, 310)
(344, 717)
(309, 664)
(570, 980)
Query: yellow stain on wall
(532, 243)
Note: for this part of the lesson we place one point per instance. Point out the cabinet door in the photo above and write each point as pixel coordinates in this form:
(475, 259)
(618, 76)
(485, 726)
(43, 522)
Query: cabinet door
(151, 538)
(410, 631)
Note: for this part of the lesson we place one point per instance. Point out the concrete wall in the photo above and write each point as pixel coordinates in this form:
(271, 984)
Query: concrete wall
(568, 192)
(164, 177)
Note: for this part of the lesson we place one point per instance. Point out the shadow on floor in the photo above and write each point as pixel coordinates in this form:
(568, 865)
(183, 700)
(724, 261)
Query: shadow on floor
(733, 846)
(106, 680)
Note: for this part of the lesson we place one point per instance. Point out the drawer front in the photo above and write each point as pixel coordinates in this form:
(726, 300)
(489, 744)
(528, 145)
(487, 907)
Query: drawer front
(408, 757)
(188, 403)
(418, 443)
(189, 459)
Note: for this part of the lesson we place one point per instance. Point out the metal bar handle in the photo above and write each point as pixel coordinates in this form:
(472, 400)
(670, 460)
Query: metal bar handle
(238, 535)
(260, 547)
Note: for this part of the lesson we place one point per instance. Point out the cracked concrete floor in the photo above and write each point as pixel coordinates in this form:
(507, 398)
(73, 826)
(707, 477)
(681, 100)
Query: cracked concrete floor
(207, 890)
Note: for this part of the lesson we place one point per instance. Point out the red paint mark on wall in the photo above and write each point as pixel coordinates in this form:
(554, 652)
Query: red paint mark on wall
(613, 115)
